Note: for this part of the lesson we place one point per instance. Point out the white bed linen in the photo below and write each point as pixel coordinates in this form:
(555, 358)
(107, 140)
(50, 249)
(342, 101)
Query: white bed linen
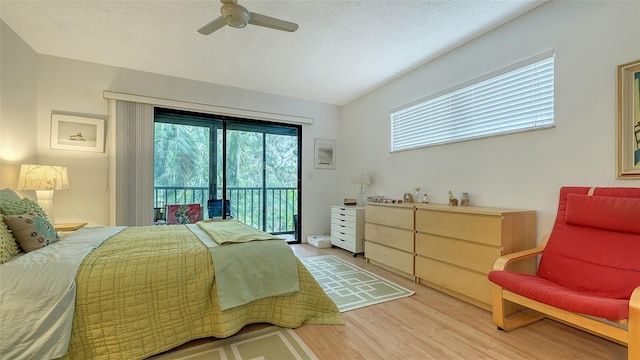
(37, 295)
(203, 236)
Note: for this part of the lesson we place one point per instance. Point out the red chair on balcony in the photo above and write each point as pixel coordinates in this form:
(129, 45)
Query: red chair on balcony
(184, 214)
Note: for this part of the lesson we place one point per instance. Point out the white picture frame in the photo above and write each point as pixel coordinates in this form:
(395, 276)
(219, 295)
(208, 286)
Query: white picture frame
(325, 154)
(77, 133)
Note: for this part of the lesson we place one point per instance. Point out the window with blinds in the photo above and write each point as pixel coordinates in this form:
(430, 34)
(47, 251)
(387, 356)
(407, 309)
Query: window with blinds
(514, 99)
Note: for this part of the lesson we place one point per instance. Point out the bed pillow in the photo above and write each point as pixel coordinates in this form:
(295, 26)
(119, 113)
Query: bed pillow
(7, 195)
(32, 230)
(21, 207)
(8, 246)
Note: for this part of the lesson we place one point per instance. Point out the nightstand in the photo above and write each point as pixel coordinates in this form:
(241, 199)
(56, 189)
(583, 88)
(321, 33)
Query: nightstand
(67, 227)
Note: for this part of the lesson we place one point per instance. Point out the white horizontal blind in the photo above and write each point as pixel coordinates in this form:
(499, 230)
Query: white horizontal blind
(513, 101)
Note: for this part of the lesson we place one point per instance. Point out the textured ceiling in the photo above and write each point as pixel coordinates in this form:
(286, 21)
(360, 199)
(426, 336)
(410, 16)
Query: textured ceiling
(342, 50)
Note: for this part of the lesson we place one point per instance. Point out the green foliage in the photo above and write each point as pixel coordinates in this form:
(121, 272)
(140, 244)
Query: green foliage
(182, 160)
(181, 155)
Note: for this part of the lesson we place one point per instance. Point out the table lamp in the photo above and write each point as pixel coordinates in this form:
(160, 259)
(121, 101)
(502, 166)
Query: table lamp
(44, 179)
(362, 179)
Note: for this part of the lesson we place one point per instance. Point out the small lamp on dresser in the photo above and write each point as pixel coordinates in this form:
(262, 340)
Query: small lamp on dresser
(362, 178)
(44, 179)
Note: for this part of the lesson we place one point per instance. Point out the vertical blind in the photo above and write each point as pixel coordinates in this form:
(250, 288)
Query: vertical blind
(134, 163)
(514, 100)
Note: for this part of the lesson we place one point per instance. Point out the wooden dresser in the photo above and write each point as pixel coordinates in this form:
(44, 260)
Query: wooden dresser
(389, 237)
(449, 248)
(347, 228)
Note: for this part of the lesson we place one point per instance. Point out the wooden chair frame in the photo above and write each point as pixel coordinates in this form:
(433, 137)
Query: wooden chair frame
(537, 311)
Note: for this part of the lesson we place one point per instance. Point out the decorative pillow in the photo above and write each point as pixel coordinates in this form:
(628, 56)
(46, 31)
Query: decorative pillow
(8, 246)
(7, 195)
(32, 231)
(21, 207)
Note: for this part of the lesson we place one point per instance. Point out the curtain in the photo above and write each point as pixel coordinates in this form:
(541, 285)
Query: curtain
(132, 168)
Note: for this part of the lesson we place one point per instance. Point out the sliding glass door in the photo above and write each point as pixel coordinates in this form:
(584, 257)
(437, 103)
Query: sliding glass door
(253, 165)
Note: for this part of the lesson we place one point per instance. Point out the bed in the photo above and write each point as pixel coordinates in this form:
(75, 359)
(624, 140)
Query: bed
(140, 291)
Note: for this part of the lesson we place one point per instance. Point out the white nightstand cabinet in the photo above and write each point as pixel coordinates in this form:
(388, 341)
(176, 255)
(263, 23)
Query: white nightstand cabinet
(347, 228)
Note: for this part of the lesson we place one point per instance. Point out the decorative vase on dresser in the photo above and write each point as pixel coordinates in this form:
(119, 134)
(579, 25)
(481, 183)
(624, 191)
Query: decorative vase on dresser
(347, 228)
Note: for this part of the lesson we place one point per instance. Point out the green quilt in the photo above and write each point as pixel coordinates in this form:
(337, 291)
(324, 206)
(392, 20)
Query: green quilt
(249, 264)
(149, 289)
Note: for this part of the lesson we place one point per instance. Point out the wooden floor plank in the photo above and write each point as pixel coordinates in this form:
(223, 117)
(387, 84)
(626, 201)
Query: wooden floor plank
(433, 325)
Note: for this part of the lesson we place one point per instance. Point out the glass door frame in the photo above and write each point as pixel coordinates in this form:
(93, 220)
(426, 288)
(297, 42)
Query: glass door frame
(215, 122)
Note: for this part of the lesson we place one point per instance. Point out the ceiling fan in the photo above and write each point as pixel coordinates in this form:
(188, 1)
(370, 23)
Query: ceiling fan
(238, 16)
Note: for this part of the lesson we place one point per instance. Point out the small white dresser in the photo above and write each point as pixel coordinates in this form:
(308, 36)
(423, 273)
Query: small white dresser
(347, 228)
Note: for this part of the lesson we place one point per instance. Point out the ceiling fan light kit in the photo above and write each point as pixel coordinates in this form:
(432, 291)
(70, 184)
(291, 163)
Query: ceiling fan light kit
(235, 15)
(238, 16)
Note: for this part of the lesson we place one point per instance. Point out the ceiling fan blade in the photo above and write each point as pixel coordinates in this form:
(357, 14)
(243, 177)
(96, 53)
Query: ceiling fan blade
(273, 23)
(214, 25)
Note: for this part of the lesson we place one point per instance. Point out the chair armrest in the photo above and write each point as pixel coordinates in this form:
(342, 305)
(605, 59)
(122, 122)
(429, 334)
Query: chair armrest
(503, 261)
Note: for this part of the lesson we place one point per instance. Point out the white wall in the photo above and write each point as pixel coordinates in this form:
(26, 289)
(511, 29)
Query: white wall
(76, 87)
(18, 90)
(516, 171)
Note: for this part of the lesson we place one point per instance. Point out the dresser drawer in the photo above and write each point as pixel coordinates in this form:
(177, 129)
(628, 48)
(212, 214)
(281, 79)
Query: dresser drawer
(347, 222)
(465, 282)
(465, 254)
(343, 228)
(394, 258)
(343, 244)
(485, 229)
(344, 236)
(344, 214)
(400, 217)
(400, 239)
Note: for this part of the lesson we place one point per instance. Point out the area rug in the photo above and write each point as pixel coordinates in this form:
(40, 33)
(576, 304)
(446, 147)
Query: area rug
(350, 286)
(272, 343)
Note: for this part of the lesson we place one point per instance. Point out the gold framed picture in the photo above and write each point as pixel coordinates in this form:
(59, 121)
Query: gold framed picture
(628, 127)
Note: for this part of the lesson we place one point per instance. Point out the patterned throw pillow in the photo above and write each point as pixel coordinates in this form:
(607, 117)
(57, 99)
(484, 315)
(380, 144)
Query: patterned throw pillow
(7, 194)
(8, 246)
(21, 207)
(32, 231)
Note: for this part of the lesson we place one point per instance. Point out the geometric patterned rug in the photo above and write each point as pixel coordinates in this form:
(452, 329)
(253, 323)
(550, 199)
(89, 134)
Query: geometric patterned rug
(349, 286)
(272, 343)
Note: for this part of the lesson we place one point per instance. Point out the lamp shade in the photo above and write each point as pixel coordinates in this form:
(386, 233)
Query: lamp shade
(362, 178)
(43, 177)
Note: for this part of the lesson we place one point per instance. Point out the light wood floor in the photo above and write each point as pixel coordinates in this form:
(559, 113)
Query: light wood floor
(433, 325)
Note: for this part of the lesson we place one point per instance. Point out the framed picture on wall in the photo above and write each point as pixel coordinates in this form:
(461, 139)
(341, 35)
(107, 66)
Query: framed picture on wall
(628, 128)
(77, 133)
(325, 154)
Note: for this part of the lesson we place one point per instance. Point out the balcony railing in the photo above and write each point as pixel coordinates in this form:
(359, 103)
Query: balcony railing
(246, 204)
